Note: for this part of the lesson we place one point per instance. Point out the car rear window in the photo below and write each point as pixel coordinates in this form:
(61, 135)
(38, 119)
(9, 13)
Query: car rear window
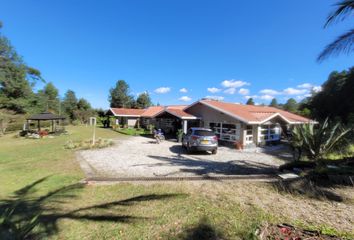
(204, 133)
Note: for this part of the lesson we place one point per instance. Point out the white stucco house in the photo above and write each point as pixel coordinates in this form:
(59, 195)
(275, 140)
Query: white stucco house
(246, 124)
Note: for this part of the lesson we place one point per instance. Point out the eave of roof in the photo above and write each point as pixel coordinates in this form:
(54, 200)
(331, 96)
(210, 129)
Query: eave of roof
(253, 118)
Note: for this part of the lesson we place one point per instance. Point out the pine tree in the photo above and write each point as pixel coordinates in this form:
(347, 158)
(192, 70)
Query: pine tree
(274, 103)
(250, 101)
(48, 99)
(291, 105)
(16, 79)
(143, 100)
(119, 96)
(70, 104)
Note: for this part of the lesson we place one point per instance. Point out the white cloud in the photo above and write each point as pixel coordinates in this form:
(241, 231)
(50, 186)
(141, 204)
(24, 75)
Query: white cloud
(213, 90)
(185, 99)
(266, 97)
(162, 90)
(294, 91)
(244, 91)
(233, 83)
(253, 96)
(230, 91)
(305, 86)
(269, 92)
(317, 89)
(183, 90)
(219, 98)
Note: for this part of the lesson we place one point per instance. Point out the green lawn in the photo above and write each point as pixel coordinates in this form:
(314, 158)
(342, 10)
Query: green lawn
(176, 210)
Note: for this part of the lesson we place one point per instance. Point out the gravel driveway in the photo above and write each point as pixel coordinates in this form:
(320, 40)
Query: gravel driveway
(142, 157)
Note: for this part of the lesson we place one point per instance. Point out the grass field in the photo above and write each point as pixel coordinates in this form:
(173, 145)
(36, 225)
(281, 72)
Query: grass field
(177, 210)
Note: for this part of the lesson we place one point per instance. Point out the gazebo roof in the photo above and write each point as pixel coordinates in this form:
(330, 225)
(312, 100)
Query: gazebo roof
(45, 116)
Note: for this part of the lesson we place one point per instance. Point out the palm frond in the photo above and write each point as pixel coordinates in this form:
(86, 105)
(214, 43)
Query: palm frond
(343, 44)
(344, 9)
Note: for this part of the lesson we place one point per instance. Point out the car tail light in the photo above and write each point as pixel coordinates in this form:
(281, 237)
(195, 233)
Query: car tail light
(195, 137)
(215, 138)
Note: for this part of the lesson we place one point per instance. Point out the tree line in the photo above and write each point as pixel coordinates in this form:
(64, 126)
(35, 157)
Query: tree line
(290, 105)
(120, 97)
(18, 97)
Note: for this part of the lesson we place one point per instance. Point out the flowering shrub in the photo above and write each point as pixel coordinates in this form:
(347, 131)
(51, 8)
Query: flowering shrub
(43, 133)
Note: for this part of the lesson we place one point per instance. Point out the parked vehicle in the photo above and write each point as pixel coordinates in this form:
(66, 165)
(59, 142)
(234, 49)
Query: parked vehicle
(159, 135)
(200, 139)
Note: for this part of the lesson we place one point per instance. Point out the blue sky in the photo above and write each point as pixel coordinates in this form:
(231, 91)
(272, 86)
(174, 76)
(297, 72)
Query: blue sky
(227, 49)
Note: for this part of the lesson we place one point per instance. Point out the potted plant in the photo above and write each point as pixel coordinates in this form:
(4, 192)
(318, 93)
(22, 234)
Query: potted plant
(179, 135)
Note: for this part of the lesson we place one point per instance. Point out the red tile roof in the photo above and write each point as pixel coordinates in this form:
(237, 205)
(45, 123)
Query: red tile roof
(253, 114)
(127, 112)
(152, 111)
(180, 113)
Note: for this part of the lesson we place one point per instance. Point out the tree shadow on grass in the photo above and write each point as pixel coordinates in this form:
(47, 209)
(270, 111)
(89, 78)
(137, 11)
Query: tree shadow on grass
(23, 209)
(307, 188)
(202, 231)
(199, 166)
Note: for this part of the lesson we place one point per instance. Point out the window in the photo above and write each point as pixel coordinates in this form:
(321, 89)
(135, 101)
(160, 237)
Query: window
(269, 133)
(226, 131)
(204, 133)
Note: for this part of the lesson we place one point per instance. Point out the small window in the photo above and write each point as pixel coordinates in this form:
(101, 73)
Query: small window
(204, 133)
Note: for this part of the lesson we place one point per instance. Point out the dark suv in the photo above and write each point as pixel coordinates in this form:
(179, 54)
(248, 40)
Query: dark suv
(200, 139)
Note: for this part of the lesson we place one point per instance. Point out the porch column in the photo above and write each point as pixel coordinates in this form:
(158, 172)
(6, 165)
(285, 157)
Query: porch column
(185, 126)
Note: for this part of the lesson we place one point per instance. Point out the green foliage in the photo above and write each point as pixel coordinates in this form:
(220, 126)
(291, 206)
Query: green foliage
(132, 131)
(143, 100)
(305, 112)
(9, 121)
(119, 96)
(336, 100)
(179, 135)
(13, 229)
(250, 101)
(317, 141)
(291, 105)
(48, 99)
(87, 144)
(274, 103)
(16, 79)
(69, 104)
(344, 43)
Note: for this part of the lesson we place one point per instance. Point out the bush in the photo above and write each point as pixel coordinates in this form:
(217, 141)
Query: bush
(87, 144)
(318, 141)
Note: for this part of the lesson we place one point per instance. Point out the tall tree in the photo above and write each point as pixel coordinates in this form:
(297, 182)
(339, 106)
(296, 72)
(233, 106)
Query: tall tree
(48, 98)
(250, 101)
(83, 111)
(345, 42)
(291, 105)
(336, 99)
(83, 104)
(70, 104)
(143, 100)
(16, 79)
(120, 95)
(274, 103)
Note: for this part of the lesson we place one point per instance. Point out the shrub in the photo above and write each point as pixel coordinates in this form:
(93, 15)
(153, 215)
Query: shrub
(87, 144)
(318, 141)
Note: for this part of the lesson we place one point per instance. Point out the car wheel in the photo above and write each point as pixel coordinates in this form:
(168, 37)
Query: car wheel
(214, 151)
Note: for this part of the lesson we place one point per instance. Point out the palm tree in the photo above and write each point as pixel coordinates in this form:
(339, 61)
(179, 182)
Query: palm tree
(345, 42)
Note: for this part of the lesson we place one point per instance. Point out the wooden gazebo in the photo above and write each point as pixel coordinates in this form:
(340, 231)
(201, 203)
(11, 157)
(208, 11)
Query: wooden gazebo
(45, 116)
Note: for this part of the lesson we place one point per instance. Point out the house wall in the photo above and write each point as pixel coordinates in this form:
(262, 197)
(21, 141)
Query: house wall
(209, 115)
(132, 121)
